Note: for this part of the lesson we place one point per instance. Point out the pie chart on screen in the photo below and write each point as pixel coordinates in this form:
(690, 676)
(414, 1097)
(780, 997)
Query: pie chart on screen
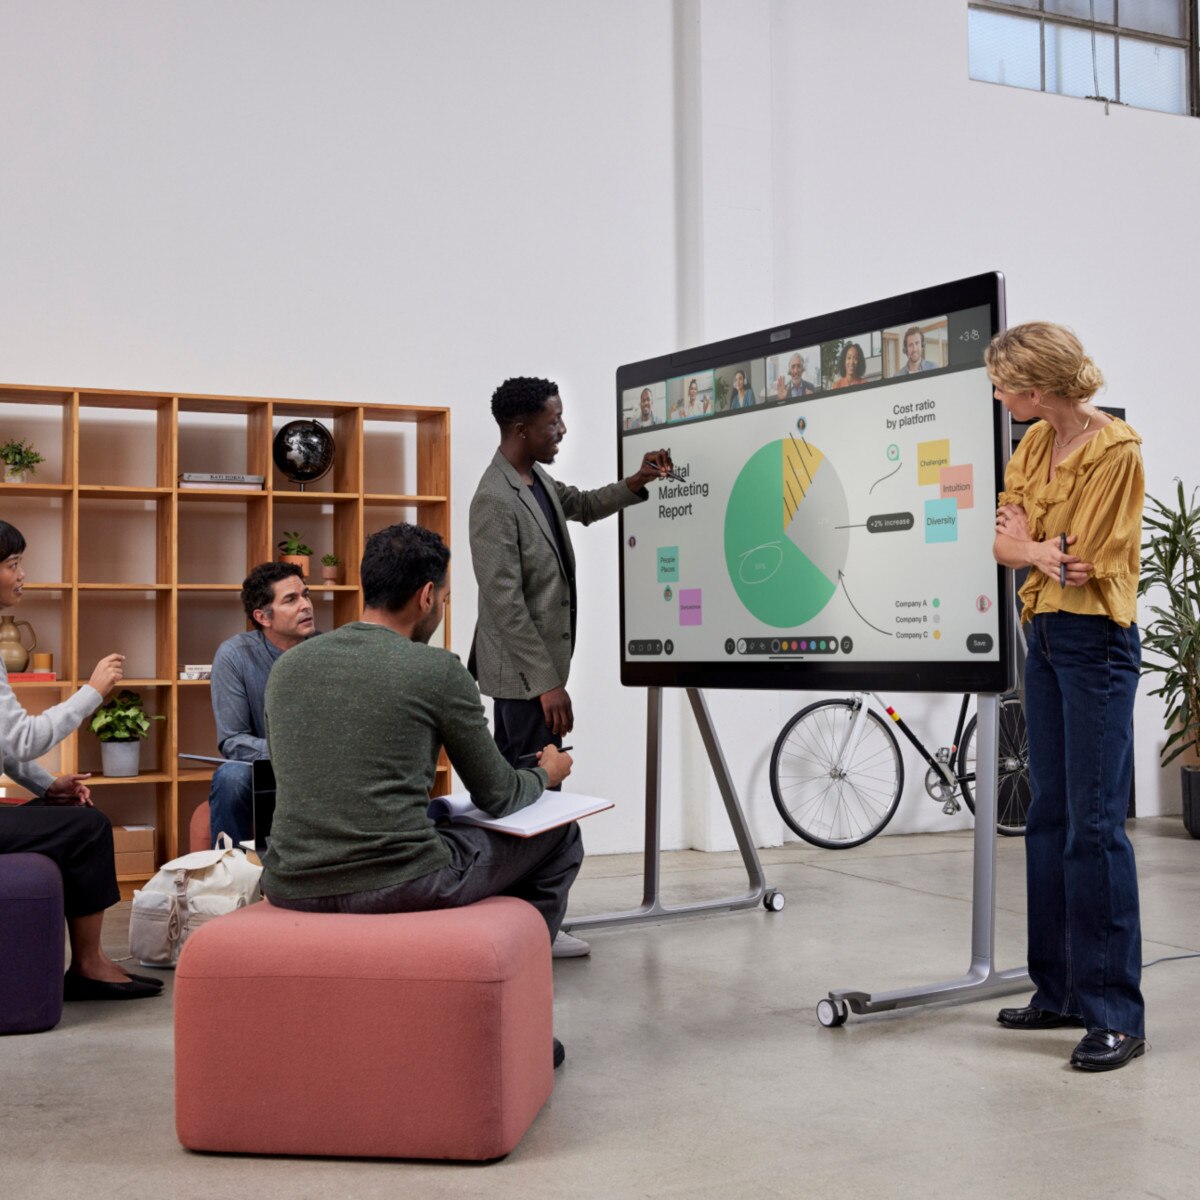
(786, 533)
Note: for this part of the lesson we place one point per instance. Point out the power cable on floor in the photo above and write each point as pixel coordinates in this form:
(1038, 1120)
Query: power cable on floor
(1169, 958)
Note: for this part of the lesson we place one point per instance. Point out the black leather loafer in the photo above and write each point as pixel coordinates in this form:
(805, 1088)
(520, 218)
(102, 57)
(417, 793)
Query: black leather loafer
(1035, 1018)
(79, 987)
(559, 1054)
(1104, 1050)
(146, 979)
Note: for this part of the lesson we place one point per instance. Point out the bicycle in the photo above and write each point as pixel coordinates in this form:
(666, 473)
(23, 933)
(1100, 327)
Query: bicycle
(837, 774)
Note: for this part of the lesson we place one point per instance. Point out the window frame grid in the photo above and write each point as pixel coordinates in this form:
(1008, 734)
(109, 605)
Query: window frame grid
(1189, 43)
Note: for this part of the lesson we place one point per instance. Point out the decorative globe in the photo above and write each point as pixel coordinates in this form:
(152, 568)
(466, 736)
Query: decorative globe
(303, 451)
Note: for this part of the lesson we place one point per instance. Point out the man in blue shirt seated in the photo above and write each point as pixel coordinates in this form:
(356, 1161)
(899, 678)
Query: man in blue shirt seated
(276, 600)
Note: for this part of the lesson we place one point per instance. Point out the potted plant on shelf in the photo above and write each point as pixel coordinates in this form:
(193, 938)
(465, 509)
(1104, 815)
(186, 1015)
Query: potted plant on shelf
(20, 460)
(331, 567)
(294, 550)
(1171, 561)
(121, 724)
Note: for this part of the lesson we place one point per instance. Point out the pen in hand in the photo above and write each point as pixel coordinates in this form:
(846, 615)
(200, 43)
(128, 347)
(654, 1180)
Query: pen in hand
(671, 473)
(1062, 567)
(534, 756)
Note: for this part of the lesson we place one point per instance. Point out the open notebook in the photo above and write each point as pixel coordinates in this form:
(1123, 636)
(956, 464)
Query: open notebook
(549, 811)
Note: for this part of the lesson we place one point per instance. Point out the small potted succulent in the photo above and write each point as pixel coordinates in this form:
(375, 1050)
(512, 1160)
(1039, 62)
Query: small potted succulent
(331, 568)
(20, 460)
(1171, 561)
(293, 549)
(121, 724)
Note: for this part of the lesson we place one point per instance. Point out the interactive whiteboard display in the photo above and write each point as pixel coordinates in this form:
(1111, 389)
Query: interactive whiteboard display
(832, 518)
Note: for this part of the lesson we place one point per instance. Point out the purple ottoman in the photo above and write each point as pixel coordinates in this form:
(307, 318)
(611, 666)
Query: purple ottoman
(31, 943)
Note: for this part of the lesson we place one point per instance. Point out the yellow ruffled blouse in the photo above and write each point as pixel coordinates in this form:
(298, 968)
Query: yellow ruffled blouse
(1096, 493)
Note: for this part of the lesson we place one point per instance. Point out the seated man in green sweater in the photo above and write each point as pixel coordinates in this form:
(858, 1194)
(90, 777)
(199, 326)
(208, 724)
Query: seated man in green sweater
(355, 720)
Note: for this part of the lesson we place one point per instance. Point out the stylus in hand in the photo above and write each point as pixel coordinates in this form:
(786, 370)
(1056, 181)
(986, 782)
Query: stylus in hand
(534, 757)
(1062, 567)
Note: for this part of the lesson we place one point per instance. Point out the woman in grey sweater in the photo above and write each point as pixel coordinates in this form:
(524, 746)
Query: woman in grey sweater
(60, 821)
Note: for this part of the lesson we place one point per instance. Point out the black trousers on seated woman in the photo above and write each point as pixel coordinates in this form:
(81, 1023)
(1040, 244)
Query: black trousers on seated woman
(78, 839)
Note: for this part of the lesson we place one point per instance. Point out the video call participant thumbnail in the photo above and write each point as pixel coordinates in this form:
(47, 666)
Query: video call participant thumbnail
(741, 394)
(914, 353)
(691, 397)
(793, 385)
(851, 366)
(644, 418)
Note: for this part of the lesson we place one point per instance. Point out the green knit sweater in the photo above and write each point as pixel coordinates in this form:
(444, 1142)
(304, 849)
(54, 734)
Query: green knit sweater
(355, 719)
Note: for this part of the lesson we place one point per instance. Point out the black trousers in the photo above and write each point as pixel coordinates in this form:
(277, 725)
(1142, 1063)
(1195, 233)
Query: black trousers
(78, 839)
(483, 863)
(521, 731)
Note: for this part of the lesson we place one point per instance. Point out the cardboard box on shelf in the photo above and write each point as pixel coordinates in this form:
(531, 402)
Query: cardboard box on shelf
(135, 862)
(128, 839)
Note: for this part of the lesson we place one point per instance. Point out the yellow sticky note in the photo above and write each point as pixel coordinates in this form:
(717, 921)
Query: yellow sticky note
(931, 458)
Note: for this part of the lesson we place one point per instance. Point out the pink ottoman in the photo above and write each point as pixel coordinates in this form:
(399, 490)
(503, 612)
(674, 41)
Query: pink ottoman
(416, 1035)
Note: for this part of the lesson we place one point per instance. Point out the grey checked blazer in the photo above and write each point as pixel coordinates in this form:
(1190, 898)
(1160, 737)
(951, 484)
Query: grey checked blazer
(526, 628)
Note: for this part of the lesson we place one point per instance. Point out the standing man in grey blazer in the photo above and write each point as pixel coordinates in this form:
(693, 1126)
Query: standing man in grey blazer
(525, 569)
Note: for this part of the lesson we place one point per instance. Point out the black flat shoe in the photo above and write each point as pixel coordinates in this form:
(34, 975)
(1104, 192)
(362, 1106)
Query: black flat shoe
(1104, 1050)
(146, 979)
(559, 1054)
(79, 987)
(1035, 1018)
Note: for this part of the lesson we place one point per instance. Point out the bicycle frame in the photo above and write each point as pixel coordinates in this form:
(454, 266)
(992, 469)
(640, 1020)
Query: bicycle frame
(943, 769)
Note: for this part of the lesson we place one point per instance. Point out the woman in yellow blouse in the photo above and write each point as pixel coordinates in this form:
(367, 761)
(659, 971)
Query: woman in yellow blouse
(1076, 472)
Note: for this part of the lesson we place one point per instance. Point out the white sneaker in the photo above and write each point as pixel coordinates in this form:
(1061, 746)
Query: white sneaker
(566, 946)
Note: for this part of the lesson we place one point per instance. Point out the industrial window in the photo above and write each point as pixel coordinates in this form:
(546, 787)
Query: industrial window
(1137, 52)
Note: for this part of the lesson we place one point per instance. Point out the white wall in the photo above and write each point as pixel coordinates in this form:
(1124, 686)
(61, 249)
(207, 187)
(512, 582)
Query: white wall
(361, 201)
(927, 176)
(410, 201)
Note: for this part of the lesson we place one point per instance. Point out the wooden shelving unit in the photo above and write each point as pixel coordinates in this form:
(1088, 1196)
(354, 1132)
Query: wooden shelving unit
(119, 555)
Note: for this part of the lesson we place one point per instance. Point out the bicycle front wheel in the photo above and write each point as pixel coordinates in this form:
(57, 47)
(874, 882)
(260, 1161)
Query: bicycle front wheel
(829, 799)
(1013, 793)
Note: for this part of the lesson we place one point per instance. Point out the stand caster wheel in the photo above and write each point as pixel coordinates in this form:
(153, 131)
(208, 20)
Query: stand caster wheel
(832, 1013)
(774, 901)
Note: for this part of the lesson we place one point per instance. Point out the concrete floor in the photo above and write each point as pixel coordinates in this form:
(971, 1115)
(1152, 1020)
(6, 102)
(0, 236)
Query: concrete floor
(695, 1064)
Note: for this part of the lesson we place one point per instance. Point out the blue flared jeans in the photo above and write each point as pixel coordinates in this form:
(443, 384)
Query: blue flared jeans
(1085, 940)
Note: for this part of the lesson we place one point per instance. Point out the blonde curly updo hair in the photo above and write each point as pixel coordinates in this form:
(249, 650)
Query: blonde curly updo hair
(1045, 356)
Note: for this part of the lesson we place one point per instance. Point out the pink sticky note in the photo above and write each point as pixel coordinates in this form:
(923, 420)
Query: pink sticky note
(689, 606)
(958, 483)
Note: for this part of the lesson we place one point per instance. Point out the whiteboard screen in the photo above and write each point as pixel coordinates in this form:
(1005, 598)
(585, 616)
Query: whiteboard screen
(832, 522)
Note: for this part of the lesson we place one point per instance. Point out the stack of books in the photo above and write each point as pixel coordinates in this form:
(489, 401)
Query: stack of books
(32, 676)
(200, 479)
(196, 671)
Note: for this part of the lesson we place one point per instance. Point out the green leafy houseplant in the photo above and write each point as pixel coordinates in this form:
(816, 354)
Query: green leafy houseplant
(123, 719)
(20, 456)
(293, 545)
(1171, 561)
(330, 560)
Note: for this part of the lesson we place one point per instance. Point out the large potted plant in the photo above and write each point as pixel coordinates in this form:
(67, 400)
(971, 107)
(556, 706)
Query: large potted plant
(20, 460)
(121, 724)
(1171, 561)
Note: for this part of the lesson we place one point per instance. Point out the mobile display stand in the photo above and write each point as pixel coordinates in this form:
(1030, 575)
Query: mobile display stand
(652, 908)
(982, 979)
